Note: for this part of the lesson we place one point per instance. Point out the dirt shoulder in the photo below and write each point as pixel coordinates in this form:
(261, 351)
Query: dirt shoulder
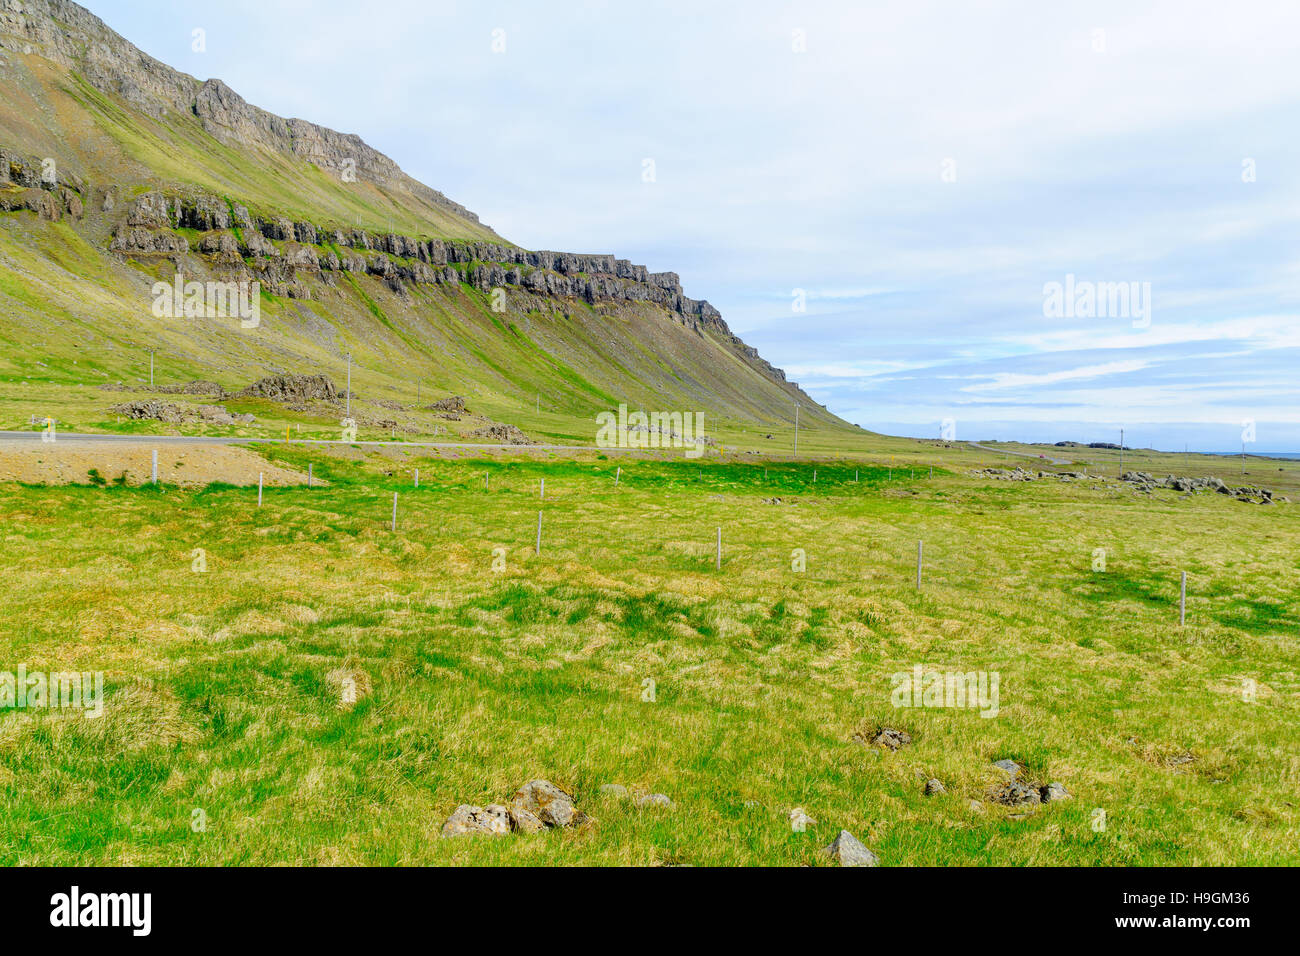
(58, 463)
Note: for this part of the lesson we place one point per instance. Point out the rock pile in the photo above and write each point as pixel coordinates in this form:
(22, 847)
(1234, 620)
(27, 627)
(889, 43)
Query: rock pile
(1019, 792)
(451, 408)
(503, 434)
(294, 388)
(886, 737)
(1248, 493)
(537, 805)
(173, 414)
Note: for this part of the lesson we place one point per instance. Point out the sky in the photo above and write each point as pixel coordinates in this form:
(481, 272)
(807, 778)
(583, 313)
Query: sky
(908, 206)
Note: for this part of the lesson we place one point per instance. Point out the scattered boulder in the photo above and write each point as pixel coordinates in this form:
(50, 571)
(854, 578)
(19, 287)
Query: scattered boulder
(537, 805)
(799, 820)
(848, 850)
(887, 737)
(467, 820)
(525, 821)
(934, 787)
(452, 407)
(1053, 792)
(548, 803)
(1015, 794)
(502, 434)
(652, 800)
(1008, 766)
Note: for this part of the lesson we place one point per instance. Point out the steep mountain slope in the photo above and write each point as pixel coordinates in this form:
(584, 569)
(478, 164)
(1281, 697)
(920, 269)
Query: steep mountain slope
(118, 173)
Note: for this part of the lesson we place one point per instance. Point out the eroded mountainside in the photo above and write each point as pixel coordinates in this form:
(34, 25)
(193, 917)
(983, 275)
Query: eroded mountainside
(118, 172)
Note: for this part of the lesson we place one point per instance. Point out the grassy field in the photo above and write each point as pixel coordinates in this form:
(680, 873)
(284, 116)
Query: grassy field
(224, 688)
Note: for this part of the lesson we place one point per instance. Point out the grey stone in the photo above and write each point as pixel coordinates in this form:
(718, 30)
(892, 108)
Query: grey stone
(548, 803)
(1013, 794)
(1054, 791)
(654, 800)
(467, 820)
(524, 821)
(848, 850)
(891, 739)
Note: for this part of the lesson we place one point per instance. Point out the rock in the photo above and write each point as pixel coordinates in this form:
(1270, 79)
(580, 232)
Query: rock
(205, 213)
(1013, 794)
(173, 414)
(848, 850)
(146, 241)
(975, 806)
(548, 803)
(525, 821)
(293, 388)
(503, 434)
(1054, 791)
(150, 209)
(219, 244)
(614, 790)
(454, 405)
(467, 820)
(1008, 766)
(799, 820)
(934, 786)
(654, 800)
(891, 739)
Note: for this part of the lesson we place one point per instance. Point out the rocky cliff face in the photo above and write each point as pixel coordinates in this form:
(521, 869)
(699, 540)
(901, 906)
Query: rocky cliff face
(72, 36)
(286, 253)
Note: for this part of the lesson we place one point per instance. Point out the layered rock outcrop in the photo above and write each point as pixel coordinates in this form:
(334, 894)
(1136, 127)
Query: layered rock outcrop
(27, 182)
(68, 34)
(151, 220)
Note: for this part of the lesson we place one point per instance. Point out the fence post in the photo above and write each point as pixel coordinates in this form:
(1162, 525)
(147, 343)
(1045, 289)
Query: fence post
(417, 477)
(542, 494)
(155, 466)
(919, 548)
(1182, 602)
(617, 475)
(308, 474)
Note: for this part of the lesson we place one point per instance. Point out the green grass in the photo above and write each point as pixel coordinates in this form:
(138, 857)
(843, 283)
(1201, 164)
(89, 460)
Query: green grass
(223, 691)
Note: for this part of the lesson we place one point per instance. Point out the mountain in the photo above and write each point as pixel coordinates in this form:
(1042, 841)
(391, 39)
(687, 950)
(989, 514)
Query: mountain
(120, 175)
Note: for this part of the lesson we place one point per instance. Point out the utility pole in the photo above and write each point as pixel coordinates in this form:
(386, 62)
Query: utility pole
(1121, 453)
